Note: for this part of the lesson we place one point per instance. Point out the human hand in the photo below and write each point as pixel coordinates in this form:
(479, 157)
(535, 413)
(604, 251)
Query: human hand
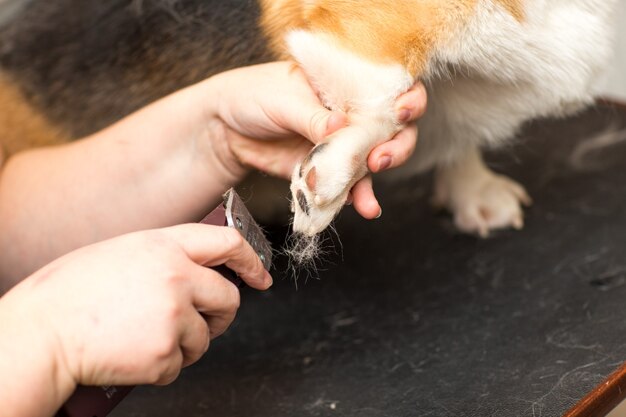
(271, 118)
(137, 308)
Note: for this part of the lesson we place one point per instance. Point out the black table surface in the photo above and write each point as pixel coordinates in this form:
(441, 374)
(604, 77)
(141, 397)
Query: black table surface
(411, 318)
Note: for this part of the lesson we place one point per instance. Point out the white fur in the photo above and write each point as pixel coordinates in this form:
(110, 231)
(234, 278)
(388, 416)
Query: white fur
(484, 82)
(504, 74)
(366, 92)
(480, 199)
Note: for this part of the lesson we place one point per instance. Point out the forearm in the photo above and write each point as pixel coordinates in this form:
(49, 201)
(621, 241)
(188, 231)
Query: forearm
(33, 381)
(161, 166)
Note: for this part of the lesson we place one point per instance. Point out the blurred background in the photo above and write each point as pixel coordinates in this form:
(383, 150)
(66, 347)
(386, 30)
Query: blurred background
(613, 83)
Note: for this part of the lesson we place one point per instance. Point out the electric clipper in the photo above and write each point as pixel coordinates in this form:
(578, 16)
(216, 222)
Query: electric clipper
(99, 401)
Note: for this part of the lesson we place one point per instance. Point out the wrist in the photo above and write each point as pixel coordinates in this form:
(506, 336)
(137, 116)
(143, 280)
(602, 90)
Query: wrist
(220, 132)
(230, 169)
(32, 363)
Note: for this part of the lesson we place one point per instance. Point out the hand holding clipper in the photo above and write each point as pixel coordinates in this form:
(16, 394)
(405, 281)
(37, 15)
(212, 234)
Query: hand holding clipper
(99, 401)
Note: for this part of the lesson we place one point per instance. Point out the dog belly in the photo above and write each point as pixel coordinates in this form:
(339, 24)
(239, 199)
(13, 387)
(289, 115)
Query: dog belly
(483, 87)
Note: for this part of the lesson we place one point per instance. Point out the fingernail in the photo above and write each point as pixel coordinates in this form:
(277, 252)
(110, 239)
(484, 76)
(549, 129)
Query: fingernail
(384, 162)
(404, 115)
(335, 122)
(380, 213)
(268, 280)
(329, 123)
(349, 200)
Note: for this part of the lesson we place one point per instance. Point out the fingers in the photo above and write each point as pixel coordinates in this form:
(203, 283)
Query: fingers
(172, 368)
(213, 300)
(394, 152)
(275, 157)
(195, 337)
(213, 295)
(215, 304)
(308, 117)
(412, 104)
(278, 157)
(213, 245)
(311, 122)
(285, 155)
(409, 107)
(364, 201)
(319, 122)
(336, 120)
(219, 324)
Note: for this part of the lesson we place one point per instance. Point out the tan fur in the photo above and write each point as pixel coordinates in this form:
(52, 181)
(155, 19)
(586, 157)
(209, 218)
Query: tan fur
(378, 30)
(21, 126)
(515, 8)
(279, 17)
(402, 31)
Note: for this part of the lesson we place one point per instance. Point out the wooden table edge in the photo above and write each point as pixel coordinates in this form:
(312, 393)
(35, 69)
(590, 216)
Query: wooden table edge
(604, 398)
(610, 393)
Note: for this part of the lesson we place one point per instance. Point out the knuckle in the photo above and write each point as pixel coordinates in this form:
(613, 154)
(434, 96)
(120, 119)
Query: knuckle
(204, 341)
(171, 281)
(234, 299)
(173, 312)
(163, 371)
(164, 349)
(411, 148)
(168, 376)
(316, 128)
(158, 246)
(153, 376)
(232, 238)
(259, 268)
(422, 96)
(171, 274)
(154, 238)
(219, 328)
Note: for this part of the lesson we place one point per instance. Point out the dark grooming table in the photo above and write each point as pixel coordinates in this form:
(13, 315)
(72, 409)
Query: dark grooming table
(414, 319)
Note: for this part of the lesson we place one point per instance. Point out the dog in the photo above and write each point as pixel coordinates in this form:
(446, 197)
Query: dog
(70, 67)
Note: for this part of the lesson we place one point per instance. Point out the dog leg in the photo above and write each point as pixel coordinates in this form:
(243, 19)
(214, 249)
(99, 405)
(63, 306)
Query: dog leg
(366, 92)
(479, 199)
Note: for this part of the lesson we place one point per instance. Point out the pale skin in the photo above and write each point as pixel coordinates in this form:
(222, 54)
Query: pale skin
(149, 314)
(89, 318)
(170, 162)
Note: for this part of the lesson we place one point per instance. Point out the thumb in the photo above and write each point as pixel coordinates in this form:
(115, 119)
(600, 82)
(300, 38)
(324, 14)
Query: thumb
(317, 122)
(336, 120)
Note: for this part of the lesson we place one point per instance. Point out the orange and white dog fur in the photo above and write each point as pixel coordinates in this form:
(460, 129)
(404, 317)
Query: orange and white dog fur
(489, 66)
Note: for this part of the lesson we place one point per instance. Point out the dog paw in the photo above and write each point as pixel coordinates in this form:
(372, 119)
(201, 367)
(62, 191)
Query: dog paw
(320, 185)
(483, 203)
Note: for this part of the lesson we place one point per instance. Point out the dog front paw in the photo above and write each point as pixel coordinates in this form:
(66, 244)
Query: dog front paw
(321, 182)
(320, 185)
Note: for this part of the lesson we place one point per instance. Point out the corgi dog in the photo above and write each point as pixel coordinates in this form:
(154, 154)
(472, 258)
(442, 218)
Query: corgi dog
(69, 67)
